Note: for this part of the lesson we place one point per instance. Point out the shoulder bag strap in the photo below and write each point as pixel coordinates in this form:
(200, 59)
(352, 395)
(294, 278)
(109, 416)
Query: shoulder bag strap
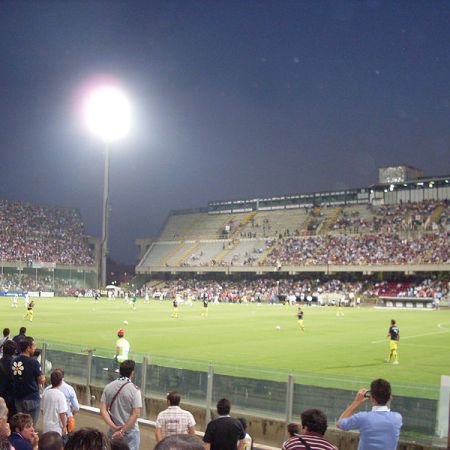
(117, 393)
(305, 444)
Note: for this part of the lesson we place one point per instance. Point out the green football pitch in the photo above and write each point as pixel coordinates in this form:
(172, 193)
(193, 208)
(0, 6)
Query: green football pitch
(255, 341)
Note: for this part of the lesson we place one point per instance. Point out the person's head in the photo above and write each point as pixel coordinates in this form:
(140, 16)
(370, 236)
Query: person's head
(393, 322)
(9, 348)
(27, 345)
(5, 431)
(243, 421)
(119, 445)
(51, 441)
(127, 368)
(23, 424)
(6, 332)
(314, 420)
(60, 369)
(56, 378)
(5, 444)
(380, 391)
(293, 429)
(223, 406)
(22, 330)
(180, 442)
(120, 332)
(173, 398)
(88, 439)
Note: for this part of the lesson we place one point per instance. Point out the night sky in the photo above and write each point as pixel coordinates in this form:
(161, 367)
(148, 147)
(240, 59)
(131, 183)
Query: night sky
(231, 99)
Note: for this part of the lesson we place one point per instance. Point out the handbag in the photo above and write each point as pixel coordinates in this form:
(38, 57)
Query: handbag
(71, 424)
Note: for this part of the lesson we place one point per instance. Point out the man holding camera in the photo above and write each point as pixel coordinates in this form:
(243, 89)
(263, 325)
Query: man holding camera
(380, 427)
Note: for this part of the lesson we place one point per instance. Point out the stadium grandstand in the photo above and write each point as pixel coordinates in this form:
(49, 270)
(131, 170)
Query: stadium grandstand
(392, 230)
(45, 249)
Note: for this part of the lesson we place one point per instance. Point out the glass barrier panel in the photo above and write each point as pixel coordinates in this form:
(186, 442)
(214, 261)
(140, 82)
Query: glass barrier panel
(255, 397)
(190, 383)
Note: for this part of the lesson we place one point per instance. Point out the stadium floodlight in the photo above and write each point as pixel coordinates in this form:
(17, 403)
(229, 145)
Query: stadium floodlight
(107, 114)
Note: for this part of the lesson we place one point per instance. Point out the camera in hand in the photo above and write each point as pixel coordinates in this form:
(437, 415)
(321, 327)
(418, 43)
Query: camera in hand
(367, 394)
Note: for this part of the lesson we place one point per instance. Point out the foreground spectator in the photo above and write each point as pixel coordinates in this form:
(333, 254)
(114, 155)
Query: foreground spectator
(5, 338)
(180, 442)
(72, 401)
(5, 431)
(292, 429)
(6, 379)
(51, 441)
(119, 445)
(248, 440)
(20, 336)
(224, 432)
(121, 405)
(314, 426)
(88, 439)
(24, 436)
(5, 444)
(379, 428)
(27, 377)
(174, 420)
(54, 406)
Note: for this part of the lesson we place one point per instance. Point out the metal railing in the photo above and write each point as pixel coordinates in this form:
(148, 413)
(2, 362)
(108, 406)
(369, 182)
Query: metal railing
(274, 395)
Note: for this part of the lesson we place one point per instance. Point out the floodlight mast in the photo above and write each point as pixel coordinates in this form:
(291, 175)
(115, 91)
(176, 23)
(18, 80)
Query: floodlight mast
(107, 115)
(105, 218)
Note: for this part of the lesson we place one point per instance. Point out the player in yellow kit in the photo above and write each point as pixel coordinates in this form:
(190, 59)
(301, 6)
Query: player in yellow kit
(300, 318)
(29, 314)
(394, 335)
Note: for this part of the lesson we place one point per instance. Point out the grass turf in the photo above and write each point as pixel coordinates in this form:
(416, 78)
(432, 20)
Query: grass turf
(244, 340)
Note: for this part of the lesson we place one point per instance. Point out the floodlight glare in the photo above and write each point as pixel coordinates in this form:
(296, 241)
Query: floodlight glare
(108, 113)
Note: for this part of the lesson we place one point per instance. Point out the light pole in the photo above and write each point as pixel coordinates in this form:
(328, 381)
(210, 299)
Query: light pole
(107, 115)
(105, 217)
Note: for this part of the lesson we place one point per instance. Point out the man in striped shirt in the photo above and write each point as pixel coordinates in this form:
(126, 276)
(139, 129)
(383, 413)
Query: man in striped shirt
(174, 420)
(314, 426)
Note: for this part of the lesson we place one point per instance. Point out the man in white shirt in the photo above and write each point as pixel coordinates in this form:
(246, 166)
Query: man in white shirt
(71, 399)
(174, 420)
(54, 406)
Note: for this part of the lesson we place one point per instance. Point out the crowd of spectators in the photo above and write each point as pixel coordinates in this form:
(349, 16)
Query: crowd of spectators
(43, 281)
(22, 397)
(361, 249)
(175, 428)
(403, 217)
(43, 234)
(405, 233)
(303, 290)
(391, 218)
(343, 249)
(427, 288)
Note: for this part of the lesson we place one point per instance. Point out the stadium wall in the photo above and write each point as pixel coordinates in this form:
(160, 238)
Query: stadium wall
(48, 276)
(268, 434)
(268, 405)
(330, 269)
